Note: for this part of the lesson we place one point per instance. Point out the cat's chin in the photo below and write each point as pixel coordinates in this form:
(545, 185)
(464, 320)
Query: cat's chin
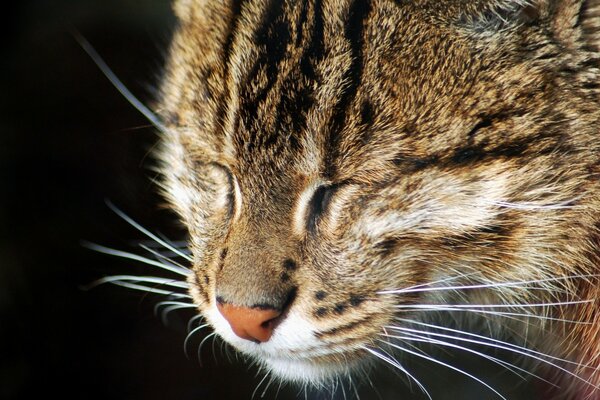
(309, 371)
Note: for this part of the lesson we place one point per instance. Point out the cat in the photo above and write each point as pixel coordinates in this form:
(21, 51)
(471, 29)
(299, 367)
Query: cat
(361, 178)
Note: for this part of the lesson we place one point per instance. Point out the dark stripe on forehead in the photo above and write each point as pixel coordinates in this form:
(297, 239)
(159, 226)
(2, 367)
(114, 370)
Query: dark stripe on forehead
(227, 51)
(314, 52)
(279, 87)
(301, 83)
(271, 38)
(297, 94)
(354, 29)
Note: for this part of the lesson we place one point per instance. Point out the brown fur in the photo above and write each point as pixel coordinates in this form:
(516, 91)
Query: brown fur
(458, 138)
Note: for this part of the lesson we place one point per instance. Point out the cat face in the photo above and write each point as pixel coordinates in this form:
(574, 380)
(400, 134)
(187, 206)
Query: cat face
(335, 162)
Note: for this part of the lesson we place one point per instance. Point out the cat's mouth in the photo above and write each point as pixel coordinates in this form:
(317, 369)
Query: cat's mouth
(294, 352)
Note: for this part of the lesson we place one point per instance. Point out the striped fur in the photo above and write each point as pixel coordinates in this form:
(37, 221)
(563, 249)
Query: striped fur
(326, 155)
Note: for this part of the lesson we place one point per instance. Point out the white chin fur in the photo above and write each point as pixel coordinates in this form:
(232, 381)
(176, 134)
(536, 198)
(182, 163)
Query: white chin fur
(304, 371)
(291, 353)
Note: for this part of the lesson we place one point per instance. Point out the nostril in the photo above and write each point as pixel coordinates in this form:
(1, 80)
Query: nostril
(250, 323)
(266, 324)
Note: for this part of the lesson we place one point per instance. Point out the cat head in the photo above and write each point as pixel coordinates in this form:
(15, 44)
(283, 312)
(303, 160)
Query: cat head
(333, 161)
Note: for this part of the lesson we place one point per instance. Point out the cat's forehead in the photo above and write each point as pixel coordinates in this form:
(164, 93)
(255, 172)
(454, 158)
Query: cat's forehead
(330, 88)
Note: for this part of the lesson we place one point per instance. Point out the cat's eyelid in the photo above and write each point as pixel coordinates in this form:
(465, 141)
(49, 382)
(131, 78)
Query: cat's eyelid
(237, 198)
(235, 193)
(302, 209)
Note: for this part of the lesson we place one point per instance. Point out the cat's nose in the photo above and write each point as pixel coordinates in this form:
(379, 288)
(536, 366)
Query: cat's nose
(255, 324)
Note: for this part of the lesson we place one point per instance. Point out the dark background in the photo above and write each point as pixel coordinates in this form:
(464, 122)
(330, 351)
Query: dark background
(68, 141)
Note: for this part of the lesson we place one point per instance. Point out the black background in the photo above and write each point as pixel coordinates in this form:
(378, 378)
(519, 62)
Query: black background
(68, 141)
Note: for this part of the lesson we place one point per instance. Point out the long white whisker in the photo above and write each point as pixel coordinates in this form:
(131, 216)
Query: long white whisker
(447, 366)
(533, 206)
(423, 337)
(258, 386)
(169, 303)
(166, 259)
(515, 284)
(514, 350)
(135, 278)
(135, 257)
(149, 289)
(278, 389)
(193, 320)
(179, 244)
(189, 336)
(167, 310)
(506, 314)
(342, 387)
(201, 344)
(116, 82)
(146, 232)
(262, 396)
(353, 387)
(489, 339)
(493, 306)
(397, 365)
(450, 279)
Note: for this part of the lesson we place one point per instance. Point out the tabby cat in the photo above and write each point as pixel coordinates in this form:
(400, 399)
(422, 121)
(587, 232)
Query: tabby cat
(362, 178)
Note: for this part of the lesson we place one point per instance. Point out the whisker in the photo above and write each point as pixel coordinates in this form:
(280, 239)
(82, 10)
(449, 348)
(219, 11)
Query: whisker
(450, 279)
(189, 336)
(338, 379)
(116, 82)
(488, 306)
(199, 353)
(135, 257)
(262, 396)
(278, 389)
(169, 261)
(353, 386)
(393, 362)
(447, 366)
(180, 245)
(525, 353)
(515, 284)
(258, 386)
(214, 353)
(152, 236)
(150, 289)
(512, 315)
(335, 384)
(509, 366)
(193, 320)
(136, 278)
(167, 310)
(529, 206)
(491, 340)
(170, 303)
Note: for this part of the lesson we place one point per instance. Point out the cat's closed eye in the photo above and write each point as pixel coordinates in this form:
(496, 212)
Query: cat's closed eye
(318, 205)
(471, 129)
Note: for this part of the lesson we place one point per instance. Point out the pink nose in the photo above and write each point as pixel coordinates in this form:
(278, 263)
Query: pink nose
(254, 324)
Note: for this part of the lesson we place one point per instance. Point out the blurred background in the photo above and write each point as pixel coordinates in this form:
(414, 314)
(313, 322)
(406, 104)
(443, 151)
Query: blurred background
(68, 142)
